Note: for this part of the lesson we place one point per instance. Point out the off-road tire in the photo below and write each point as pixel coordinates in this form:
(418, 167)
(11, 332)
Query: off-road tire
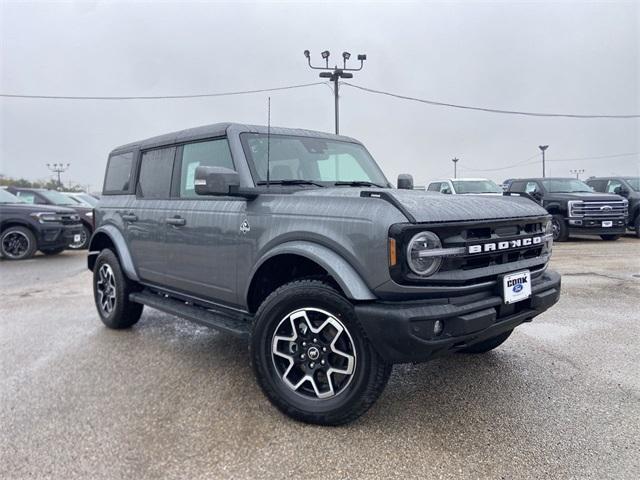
(636, 225)
(369, 376)
(24, 249)
(86, 237)
(52, 251)
(610, 238)
(489, 344)
(124, 313)
(560, 228)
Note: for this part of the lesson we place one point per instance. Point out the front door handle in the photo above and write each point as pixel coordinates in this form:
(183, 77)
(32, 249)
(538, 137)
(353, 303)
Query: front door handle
(129, 217)
(176, 221)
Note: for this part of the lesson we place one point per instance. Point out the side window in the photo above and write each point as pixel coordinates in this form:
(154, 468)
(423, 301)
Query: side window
(531, 187)
(434, 187)
(612, 185)
(214, 153)
(517, 187)
(118, 173)
(28, 197)
(156, 168)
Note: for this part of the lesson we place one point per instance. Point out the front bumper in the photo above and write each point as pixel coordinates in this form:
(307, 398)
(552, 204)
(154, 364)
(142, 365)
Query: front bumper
(58, 236)
(593, 226)
(402, 332)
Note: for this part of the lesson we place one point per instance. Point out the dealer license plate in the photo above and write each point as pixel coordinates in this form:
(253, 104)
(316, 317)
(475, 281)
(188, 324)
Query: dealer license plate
(76, 238)
(607, 223)
(516, 286)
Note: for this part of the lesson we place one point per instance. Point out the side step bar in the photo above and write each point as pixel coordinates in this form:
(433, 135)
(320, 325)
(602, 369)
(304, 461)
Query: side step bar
(234, 324)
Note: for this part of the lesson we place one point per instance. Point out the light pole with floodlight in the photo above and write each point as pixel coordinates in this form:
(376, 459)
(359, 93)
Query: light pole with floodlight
(335, 73)
(542, 149)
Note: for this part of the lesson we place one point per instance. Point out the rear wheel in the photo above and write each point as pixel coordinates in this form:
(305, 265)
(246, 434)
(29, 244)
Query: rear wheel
(85, 236)
(559, 228)
(637, 225)
(17, 243)
(111, 289)
(489, 344)
(610, 238)
(311, 356)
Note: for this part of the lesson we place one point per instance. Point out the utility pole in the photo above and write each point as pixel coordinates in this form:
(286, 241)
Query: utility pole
(542, 149)
(58, 168)
(335, 73)
(577, 171)
(455, 167)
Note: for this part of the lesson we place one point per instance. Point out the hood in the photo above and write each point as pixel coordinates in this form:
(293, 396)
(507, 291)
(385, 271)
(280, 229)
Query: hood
(587, 196)
(428, 207)
(32, 208)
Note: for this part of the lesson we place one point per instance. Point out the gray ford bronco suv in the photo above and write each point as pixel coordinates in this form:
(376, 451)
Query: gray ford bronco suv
(296, 240)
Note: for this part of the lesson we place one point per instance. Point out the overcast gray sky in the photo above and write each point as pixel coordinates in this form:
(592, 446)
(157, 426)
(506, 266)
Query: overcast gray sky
(548, 56)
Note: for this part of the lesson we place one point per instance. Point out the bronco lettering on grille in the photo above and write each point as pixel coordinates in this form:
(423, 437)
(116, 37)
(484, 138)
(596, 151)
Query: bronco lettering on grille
(506, 245)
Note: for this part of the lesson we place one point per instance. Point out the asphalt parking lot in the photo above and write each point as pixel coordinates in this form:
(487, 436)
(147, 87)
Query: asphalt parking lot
(169, 399)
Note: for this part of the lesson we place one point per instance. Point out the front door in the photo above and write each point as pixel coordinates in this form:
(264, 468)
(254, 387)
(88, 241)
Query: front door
(203, 232)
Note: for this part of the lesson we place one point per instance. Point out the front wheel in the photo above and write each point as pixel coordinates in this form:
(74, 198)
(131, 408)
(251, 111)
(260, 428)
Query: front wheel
(17, 243)
(111, 289)
(311, 357)
(559, 228)
(636, 225)
(610, 238)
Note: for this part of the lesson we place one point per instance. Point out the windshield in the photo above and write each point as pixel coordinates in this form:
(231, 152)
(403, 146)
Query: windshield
(88, 199)
(476, 186)
(566, 185)
(58, 198)
(6, 197)
(634, 183)
(305, 159)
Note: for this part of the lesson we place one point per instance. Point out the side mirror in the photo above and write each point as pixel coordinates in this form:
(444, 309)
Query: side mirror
(623, 192)
(405, 181)
(446, 191)
(216, 181)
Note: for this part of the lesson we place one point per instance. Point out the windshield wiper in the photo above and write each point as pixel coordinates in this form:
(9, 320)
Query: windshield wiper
(359, 183)
(290, 182)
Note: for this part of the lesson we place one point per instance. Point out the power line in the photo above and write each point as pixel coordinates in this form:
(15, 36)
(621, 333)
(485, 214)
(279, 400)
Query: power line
(519, 164)
(594, 158)
(484, 109)
(159, 97)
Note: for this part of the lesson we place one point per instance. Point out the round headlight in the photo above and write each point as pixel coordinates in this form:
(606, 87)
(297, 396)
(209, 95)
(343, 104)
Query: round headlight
(419, 261)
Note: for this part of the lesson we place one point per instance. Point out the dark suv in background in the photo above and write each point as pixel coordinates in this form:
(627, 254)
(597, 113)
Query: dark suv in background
(628, 187)
(26, 228)
(575, 207)
(41, 196)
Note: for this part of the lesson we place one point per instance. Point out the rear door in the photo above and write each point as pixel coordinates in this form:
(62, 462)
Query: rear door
(146, 218)
(203, 231)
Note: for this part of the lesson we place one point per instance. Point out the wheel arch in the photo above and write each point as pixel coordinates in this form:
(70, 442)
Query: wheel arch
(311, 258)
(17, 223)
(555, 208)
(109, 236)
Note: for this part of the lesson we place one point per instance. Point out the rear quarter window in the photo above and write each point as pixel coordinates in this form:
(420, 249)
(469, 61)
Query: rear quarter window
(118, 177)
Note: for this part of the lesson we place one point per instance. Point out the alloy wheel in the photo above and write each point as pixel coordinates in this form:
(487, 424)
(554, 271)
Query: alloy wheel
(555, 228)
(15, 244)
(313, 353)
(80, 243)
(106, 287)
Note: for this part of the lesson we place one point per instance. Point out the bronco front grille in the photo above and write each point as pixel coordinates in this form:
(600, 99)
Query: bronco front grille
(487, 250)
(598, 209)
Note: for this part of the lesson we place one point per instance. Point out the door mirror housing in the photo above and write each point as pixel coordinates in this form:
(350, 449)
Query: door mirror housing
(405, 181)
(623, 192)
(218, 181)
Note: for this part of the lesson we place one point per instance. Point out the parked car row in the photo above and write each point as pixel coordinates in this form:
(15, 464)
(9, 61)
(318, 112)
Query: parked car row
(27, 227)
(604, 206)
(41, 196)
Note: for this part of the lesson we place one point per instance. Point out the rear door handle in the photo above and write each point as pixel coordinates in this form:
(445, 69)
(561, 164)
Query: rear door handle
(129, 217)
(176, 221)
